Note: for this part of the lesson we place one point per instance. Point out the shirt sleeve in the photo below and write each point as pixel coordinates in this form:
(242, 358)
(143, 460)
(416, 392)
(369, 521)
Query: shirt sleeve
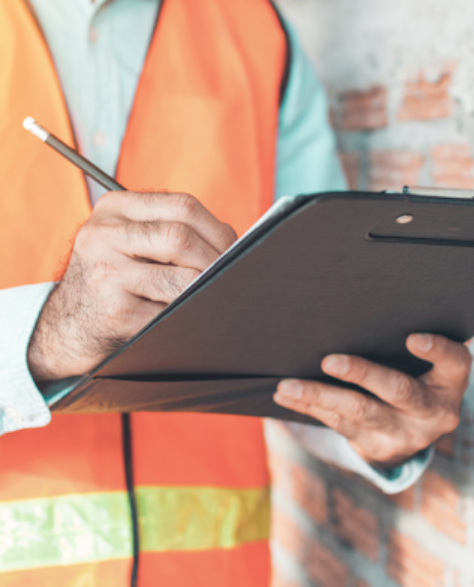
(21, 403)
(307, 159)
(307, 162)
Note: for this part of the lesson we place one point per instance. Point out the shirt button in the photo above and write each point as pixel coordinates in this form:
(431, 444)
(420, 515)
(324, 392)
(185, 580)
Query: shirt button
(98, 138)
(12, 414)
(93, 35)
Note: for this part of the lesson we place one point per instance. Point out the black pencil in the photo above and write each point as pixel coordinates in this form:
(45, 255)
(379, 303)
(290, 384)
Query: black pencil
(71, 155)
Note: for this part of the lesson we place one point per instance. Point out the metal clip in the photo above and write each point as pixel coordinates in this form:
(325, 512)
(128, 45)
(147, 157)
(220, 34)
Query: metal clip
(439, 192)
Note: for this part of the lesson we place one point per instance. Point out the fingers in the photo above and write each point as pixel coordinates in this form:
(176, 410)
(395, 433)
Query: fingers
(377, 431)
(157, 283)
(393, 387)
(451, 367)
(344, 410)
(451, 360)
(165, 242)
(166, 207)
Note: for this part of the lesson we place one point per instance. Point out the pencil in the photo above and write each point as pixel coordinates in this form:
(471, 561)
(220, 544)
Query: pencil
(71, 155)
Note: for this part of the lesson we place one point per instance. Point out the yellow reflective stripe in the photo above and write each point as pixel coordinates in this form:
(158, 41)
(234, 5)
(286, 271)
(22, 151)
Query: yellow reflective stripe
(64, 530)
(190, 519)
(95, 527)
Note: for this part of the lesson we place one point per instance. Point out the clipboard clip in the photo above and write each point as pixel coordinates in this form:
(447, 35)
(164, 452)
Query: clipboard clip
(438, 192)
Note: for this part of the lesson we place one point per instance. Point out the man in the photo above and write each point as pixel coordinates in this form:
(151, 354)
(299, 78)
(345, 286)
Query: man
(204, 104)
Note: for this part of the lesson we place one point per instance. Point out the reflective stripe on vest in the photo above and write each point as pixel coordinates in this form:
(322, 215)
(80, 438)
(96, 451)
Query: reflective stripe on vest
(73, 529)
(204, 121)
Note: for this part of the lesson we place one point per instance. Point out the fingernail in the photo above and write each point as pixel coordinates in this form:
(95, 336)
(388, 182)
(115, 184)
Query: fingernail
(423, 342)
(291, 388)
(337, 365)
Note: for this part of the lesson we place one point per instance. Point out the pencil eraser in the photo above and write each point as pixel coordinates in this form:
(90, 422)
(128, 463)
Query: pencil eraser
(31, 125)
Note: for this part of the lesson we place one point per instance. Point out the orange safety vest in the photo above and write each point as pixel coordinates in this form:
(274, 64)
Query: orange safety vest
(204, 121)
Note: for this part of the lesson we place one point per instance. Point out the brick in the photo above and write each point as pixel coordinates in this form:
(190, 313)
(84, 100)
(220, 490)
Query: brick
(391, 170)
(441, 506)
(445, 445)
(411, 565)
(350, 162)
(361, 111)
(309, 492)
(453, 166)
(425, 100)
(323, 567)
(356, 525)
(319, 563)
(405, 499)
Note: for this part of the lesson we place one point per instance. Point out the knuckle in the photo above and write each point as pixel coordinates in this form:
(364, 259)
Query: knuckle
(185, 205)
(464, 364)
(172, 283)
(86, 236)
(105, 201)
(95, 232)
(403, 390)
(140, 230)
(335, 421)
(357, 370)
(109, 202)
(190, 275)
(178, 236)
(229, 236)
(359, 409)
(311, 392)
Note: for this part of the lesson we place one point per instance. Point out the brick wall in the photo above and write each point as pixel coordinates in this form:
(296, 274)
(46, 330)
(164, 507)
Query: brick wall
(400, 80)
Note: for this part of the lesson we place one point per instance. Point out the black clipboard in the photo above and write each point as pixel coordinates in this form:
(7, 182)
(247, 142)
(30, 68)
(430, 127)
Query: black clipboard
(336, 272)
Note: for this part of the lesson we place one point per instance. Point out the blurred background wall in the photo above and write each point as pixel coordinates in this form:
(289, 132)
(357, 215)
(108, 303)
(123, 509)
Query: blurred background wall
(400, 80)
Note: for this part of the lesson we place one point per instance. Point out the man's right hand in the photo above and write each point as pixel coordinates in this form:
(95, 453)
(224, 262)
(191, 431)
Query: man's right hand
(134, 256)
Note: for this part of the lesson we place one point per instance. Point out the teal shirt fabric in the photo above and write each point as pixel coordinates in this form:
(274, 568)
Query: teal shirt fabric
(307, 161)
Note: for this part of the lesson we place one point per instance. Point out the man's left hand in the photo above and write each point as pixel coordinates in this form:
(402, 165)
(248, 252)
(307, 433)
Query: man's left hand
(403, 415)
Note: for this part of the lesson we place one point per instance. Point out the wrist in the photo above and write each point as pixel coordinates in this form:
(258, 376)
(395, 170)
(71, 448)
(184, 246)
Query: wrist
(51, 355)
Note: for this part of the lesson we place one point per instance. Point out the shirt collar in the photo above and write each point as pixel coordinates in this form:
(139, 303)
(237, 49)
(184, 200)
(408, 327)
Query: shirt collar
(94, 7)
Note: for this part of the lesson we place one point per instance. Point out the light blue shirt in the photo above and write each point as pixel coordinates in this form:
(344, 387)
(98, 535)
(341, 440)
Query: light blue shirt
(98, 50)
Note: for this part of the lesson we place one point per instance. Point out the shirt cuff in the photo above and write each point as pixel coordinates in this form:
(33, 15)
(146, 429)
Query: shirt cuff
(21, 403)
(331, 447)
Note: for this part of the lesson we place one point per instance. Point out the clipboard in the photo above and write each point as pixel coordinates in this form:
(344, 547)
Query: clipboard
(340, 272)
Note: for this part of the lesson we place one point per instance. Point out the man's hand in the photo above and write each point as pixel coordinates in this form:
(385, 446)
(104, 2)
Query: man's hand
(135, 255)
(403, 416)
